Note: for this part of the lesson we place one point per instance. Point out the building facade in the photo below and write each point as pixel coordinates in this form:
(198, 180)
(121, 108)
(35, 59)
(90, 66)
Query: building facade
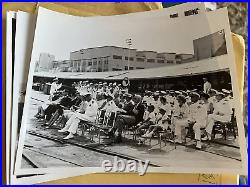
(112, 58)
(210, 46)
(45, 62)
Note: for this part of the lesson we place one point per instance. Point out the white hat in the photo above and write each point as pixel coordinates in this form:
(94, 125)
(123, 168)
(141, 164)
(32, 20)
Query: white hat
(163, 107)
(194, 93)
(177, 92)
(114, 84)
(225, 91)
(110, 95)
(55, 79)
(84, 93)
(213, 90)
(163, 92)
(156, 93)
(220, 93)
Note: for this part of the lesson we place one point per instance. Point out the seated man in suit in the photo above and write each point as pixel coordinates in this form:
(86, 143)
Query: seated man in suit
(131, 118)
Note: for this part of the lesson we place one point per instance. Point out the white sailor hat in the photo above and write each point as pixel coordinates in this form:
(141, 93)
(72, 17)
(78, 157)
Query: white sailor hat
(110, 95)
(162, 107)
(156, 93)
(194, 94)
(177, 92)
(213, 90)
(220, 93)
(55, 79)
(114, 84)
(110, 83)
(82, 93)
(163, 92)
(119, 84)
(129, 95)
(105, 83)
(225, 91)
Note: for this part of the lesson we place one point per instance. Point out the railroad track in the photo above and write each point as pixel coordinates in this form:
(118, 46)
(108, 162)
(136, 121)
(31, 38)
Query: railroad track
(88, 147)
(94, 147)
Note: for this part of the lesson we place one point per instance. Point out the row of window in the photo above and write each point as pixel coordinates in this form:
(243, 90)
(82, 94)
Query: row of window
(131, 68)
(90, 63)
(142, 59)
(94, 62)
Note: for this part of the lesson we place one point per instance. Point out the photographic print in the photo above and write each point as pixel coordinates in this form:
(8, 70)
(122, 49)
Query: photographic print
(145, 92)
(23, 39)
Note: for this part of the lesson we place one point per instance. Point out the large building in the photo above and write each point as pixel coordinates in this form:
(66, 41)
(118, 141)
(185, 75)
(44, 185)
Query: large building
(112, 58)
(210, 46)
(45, 62)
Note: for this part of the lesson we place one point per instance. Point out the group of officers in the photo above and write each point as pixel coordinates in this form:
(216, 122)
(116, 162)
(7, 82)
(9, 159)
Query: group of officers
(147, 113)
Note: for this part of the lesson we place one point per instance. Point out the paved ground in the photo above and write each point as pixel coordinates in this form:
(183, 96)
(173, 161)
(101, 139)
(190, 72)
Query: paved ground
(211, 156)
(47, 153)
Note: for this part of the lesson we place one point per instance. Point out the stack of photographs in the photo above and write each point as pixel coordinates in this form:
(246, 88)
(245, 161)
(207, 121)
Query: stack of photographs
(143, 92)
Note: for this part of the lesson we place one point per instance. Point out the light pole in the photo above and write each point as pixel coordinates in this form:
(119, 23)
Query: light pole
(129, 43)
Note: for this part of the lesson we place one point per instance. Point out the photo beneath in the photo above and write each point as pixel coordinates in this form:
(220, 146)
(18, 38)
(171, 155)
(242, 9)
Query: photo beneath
(173, 109)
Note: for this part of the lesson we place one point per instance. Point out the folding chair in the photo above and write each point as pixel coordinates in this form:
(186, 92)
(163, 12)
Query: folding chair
(223, 128)
(107, 123)
(93, 127)
(190, 133)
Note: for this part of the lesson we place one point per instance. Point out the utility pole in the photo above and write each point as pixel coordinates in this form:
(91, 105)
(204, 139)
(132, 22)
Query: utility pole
(129, 43)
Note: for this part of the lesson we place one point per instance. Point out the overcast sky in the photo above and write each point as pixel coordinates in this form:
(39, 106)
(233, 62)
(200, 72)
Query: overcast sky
(59, 34)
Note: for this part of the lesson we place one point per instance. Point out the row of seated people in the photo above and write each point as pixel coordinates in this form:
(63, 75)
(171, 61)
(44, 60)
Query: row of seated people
(153, 112)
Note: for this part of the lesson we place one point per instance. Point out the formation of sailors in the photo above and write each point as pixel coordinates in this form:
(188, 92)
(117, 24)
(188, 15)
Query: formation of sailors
(169, 110)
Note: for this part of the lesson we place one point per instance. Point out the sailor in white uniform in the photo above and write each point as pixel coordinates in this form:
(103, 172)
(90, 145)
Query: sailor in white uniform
(197, 117)
(88, 116)
(180, 117)
(222, 113)
(207, 86)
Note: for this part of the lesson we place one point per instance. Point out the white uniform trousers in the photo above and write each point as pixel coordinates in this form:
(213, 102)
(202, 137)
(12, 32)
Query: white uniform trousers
(73, 122)
(68, 113)
(212, 118)
(197, 128)
(179, 125)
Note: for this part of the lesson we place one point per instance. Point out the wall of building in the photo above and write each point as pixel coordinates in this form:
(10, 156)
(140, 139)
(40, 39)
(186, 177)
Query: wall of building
(112, 58)
(45, 62)
(210, 46)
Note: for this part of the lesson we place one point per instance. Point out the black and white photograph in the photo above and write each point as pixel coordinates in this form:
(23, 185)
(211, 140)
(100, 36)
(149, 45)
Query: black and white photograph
(24, 38)
(146, 91)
